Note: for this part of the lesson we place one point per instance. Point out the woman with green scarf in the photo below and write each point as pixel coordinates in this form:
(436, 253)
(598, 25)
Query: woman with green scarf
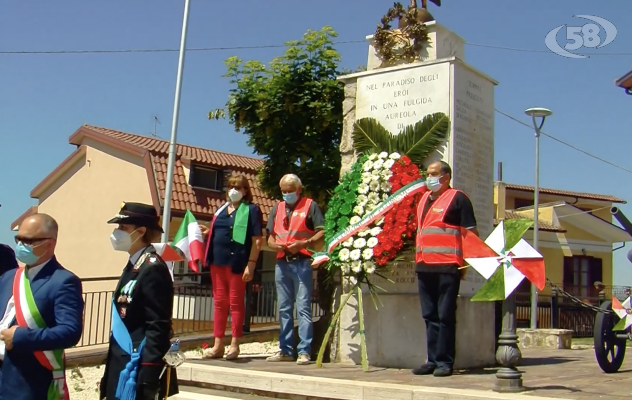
(233, 245)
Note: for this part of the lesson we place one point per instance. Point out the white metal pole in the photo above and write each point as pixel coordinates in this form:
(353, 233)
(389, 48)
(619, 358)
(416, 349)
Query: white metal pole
(536, 201)
(166, 213)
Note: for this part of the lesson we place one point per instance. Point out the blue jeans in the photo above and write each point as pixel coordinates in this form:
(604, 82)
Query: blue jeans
(294, 284)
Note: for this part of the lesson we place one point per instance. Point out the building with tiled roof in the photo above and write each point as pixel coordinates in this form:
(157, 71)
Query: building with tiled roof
(109, 167)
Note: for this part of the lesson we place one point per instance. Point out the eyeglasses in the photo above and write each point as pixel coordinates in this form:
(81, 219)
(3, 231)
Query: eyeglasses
(29, 241)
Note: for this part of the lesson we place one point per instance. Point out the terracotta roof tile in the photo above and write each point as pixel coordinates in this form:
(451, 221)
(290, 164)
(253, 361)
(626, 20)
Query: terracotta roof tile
(543, 226)
(556, 192)
(185, 197)
(199, 154)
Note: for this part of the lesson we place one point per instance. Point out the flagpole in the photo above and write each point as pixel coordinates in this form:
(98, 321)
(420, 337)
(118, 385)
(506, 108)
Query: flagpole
(166, 213)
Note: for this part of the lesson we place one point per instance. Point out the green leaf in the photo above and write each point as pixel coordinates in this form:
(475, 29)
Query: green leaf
(514, 230)
(369, 136)
(420, 140)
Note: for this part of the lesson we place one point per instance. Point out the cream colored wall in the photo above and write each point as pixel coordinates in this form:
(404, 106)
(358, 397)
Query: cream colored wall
(83, 200)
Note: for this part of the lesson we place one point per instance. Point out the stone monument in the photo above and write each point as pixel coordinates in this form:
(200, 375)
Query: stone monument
(401, 94)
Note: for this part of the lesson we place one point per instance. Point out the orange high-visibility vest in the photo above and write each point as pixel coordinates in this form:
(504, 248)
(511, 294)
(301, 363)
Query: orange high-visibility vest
(438, 242)
(297, 228)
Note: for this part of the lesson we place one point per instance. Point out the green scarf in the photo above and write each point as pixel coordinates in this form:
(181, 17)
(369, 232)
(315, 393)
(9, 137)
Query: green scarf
(240, 227)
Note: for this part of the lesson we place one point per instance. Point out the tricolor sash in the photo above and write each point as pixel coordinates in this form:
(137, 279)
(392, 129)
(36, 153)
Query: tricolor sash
(28, 316)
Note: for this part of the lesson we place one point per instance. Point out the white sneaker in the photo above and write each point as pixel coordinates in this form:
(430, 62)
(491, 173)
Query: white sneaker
(280, 357)
(303, 359)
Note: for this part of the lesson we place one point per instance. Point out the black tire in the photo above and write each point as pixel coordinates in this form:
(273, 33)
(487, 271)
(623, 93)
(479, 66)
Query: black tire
(609, 350)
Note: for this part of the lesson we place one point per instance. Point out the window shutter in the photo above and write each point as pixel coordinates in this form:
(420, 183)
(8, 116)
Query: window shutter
(568, 278)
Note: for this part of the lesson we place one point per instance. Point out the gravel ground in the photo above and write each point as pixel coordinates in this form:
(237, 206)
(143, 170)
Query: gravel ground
(82, 382)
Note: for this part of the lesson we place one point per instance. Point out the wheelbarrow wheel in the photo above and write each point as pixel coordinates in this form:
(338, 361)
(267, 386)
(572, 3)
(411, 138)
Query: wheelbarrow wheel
(609, 350)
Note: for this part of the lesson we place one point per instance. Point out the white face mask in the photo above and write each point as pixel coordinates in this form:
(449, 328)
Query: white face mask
(121, 240)
(235, 195)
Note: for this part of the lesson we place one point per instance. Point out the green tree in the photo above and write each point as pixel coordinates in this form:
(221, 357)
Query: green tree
(292, 112)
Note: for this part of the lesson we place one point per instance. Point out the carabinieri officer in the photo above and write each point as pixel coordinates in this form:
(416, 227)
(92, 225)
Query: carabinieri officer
(141, 314)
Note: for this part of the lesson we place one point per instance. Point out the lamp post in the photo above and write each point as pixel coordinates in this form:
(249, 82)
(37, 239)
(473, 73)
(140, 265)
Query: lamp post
(166, 213)
(535, 113)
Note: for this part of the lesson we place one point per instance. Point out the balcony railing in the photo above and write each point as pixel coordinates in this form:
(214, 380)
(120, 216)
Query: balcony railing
(193, 310)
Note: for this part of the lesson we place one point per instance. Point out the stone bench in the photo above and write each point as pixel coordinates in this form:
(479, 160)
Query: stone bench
(545, 338)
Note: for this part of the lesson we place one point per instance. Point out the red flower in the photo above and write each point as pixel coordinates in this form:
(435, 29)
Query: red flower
(204, 346)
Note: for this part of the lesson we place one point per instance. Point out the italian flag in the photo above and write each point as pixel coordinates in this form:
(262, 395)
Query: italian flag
(167, 251)
(189, 240)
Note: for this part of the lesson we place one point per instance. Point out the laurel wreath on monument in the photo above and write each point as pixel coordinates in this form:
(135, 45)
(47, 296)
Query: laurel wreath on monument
(392, 45)
(371, 218)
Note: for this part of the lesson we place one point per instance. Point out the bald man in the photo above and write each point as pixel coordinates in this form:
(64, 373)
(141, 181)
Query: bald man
(42, 314)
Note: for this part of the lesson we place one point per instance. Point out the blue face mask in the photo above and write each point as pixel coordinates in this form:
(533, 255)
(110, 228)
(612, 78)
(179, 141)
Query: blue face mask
(290, 198)
(25, 255)
(433, 183)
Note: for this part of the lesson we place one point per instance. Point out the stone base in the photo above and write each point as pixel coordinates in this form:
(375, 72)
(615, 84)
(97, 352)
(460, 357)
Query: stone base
(396, 333)
(545, 338)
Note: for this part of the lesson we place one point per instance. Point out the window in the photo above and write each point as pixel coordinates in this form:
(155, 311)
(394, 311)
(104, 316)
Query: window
(580, 274)
(205, 178)
(181, 268)
(519, 203)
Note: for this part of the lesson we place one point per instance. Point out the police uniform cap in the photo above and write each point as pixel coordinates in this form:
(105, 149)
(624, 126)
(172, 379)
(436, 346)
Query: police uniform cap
(137, 214)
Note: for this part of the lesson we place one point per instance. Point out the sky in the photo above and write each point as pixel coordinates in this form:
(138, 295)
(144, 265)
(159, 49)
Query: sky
(44, 98)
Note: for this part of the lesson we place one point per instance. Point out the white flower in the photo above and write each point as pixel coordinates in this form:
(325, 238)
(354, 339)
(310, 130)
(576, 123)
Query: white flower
(375, 177)
(369, 267)
(376, 231)
(348, 242)
(361, 199)
(368, 165)
(378, 164)
(353, 280)
(367, 254)
(383, 155)
(386, 173)
(344, 254)
(385, 186)
(363, 188)
(376, 172)
(356, 266)
(384, 196)
(355, 254)
(374, 197)
(371, 242)
(354, 220)
(389, 163)
(370, 207)
(359, 210)
(364, 232)
(359, 243)
(374, 186)
(373, 157)
(394, 156)
(366, 177)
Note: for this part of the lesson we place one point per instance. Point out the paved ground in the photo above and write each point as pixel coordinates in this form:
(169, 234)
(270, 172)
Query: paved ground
(571, 374)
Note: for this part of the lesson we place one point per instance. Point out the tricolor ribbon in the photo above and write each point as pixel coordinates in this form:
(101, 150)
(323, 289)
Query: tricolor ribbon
(382, 208)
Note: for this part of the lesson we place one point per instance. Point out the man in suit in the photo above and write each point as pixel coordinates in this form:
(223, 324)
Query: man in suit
(141, 329)
(7, 259)
(31, 348)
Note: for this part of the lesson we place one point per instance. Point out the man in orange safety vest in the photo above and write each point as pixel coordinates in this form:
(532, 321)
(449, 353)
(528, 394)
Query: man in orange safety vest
(442, 214)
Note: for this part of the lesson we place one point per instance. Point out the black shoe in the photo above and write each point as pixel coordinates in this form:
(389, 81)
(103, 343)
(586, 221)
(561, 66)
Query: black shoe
(442, 371)
(425, 369)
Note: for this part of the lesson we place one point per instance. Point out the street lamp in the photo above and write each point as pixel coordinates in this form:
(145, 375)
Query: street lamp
(535, 113)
